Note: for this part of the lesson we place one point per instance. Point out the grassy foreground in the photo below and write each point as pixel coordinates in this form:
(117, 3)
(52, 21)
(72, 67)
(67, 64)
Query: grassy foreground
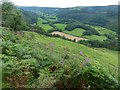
(37, 61)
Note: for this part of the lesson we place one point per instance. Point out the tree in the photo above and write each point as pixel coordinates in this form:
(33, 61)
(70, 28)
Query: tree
(12, 17)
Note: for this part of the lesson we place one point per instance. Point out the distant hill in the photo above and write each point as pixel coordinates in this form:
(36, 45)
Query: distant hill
(29, 16)
(46, 10)
(105, 16)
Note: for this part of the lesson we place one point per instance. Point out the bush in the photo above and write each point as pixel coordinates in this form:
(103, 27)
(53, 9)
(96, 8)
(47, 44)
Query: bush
(12, 17)
(85, 77)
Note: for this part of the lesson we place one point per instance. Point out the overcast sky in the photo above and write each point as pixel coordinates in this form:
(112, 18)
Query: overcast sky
(64, 3)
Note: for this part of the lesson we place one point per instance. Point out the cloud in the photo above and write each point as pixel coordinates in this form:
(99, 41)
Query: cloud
(64, 3)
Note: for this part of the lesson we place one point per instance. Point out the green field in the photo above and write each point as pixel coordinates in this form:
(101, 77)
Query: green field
(46, 27)
(51, 18)
(95, 37)
(79, 32)
(103, 31)
(61, 26)
(75, 32)
(40, 21)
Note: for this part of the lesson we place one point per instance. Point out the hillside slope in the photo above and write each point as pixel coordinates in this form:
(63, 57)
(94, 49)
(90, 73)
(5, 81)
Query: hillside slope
(30, 59)
(103, 56)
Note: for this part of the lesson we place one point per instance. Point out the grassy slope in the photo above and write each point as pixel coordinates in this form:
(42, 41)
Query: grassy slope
(106, 58)
(100, 58)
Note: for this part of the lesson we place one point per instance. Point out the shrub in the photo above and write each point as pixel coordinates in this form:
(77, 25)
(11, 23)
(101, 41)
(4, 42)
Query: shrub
(86, 77)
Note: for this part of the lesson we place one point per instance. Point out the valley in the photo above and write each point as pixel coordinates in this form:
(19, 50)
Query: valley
(59, 48)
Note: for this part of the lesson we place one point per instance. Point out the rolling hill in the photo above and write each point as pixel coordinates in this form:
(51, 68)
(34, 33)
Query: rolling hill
(105, 16)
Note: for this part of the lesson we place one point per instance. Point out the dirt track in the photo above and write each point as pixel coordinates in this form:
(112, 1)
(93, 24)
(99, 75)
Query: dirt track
(68, 36)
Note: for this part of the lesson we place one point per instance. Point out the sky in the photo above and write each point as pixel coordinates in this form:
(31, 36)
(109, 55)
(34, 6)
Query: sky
(64, 3)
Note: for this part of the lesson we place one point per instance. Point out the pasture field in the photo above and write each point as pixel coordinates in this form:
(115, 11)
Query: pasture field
(103, 31)
(75, 32)
(96, 37)
(40, 21)
(46, 27)
(61, 26)
(51, 18)
(79, 32)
